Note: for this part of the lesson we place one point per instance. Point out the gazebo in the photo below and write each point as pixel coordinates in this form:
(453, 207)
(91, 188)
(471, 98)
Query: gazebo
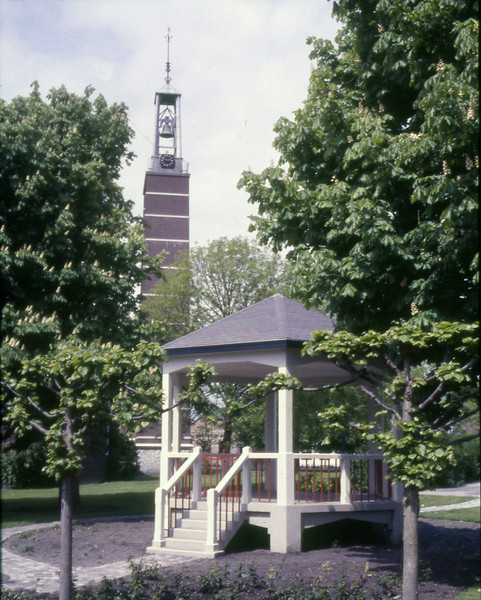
(203, 499)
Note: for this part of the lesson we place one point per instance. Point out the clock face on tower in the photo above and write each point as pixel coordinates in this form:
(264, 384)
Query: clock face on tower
(167, 161)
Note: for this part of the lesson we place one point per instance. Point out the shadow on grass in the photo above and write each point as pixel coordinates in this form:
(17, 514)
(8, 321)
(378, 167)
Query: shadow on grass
(22, 511)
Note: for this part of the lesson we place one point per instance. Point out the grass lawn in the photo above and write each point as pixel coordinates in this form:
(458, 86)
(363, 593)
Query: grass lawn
(428, 500)
(21, 507)
(472, 593)
(472, 515)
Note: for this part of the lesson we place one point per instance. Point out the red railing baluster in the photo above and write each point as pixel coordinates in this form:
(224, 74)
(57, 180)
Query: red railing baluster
(307, 480)
(322, 480)
(314, 463)
(259, 475)
(328, 479)
(269, 476)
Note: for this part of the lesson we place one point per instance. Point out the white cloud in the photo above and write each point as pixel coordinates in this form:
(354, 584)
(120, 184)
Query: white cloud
(240, 65)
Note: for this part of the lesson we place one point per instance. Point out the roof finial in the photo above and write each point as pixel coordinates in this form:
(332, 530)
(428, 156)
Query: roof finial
(168, 37)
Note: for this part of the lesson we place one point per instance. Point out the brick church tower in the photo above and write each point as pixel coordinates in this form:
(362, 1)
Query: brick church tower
(166, 187)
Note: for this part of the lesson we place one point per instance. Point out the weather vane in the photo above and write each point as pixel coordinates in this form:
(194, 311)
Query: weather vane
(168, 37)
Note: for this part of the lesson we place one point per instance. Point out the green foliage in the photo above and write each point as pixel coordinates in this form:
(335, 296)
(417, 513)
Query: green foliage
(71, 249)
(122, 462)
(464, 468)
(422, 376)
(416, 457)
(339, 406)
(23, 468)
(214, 281)
(77, 388)
(375, 192)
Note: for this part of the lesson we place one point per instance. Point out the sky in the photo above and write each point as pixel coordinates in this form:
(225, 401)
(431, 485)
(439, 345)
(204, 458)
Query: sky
(240, 65)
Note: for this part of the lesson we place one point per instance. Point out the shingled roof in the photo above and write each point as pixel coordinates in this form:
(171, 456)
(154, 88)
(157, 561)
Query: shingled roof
(273, 322)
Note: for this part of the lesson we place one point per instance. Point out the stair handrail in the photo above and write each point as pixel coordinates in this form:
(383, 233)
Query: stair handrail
(213, 494)
(162, 493)
(194, 455)
(232, 472)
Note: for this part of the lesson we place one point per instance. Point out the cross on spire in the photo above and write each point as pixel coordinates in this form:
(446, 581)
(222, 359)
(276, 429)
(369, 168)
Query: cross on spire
(168, 37)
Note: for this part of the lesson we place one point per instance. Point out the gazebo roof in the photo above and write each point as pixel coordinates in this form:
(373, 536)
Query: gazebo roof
(272, 323)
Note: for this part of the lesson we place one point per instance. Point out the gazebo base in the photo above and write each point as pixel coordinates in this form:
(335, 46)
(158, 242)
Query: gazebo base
(285, 524)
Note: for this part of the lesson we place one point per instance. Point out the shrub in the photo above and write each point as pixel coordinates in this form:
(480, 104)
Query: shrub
(122, 462)
(23, 468)
(465, 467)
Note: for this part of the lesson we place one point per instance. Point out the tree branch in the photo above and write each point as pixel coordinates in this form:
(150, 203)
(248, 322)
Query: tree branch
(464, 439)
(333, 386)
(454, 421)
(431, 398)
(38, 427)
(357, 379)
(32, 403)
(391, 364)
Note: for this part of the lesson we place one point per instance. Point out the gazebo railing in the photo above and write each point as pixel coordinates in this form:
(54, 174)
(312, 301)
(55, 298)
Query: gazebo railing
(230, 482)
(344, 478)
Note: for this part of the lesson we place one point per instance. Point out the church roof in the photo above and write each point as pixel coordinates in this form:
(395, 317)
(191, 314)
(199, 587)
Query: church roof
(273, 322)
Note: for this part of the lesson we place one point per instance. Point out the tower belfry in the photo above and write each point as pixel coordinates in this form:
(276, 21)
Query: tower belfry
(166, 188)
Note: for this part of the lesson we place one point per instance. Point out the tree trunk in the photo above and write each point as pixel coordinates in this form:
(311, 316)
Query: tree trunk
(66, 538)
(75, 495)
(410, 541)
(227, 438)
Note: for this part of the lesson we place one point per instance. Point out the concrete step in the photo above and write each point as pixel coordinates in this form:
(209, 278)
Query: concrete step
(189, 533)
(186, 545)
(195, 524)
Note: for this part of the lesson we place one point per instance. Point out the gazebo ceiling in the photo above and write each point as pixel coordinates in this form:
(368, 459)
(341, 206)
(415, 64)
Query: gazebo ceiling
(253, 342)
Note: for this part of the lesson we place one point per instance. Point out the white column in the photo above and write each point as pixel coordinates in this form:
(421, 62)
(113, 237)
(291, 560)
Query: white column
(346, 481)
(270, 427)
(166, 429)
(270, 437)
(285, 461)
(176, 416)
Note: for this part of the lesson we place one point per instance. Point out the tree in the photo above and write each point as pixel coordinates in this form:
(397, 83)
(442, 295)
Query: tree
(215, 281)
(71, 250)
(421, 377)
(375, 191)
(375, 197)
(71, 257)
(73, 391)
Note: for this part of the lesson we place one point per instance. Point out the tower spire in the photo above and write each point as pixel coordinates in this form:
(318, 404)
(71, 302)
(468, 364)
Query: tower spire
(168, 37)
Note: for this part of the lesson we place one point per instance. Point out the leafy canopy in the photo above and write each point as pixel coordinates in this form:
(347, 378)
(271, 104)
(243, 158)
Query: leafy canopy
(421, 377)
(214, 281)
(75, 389)
(375, 193)
(71, 249)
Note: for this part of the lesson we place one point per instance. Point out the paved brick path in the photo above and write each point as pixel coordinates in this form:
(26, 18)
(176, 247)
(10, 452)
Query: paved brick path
(20, 573)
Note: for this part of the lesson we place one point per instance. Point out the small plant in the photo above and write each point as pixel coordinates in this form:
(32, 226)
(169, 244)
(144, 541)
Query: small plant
(25, 535)
(389, 585)
(425, 574)
(211, 582)
(27, 549)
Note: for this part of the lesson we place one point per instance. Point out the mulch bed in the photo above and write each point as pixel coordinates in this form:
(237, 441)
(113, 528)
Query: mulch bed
(449, 551)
